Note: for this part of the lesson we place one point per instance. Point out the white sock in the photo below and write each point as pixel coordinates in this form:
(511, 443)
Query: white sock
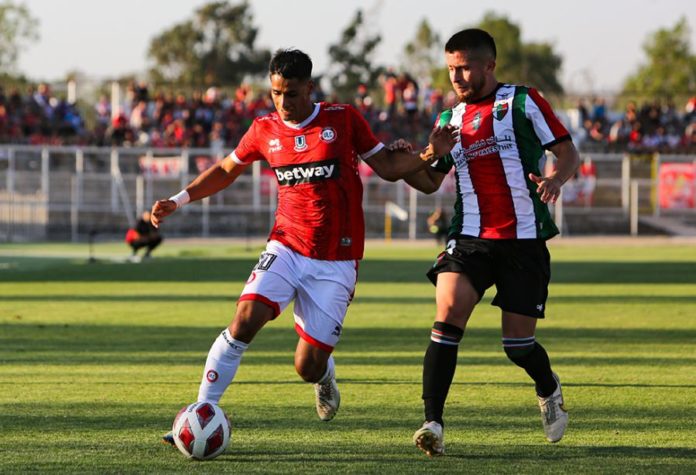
(220, 367)
(330, 371)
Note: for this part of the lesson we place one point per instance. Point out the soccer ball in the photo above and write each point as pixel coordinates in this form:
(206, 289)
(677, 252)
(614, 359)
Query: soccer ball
(201, 431)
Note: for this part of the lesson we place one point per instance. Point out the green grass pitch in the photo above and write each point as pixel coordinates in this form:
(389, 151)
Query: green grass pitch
(96, 359)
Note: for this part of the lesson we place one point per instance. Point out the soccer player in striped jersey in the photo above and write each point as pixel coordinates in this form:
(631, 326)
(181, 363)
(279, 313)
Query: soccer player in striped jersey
(500, 226)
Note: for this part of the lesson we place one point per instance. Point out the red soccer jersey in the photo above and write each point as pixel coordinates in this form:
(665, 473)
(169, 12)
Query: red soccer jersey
(319, 211)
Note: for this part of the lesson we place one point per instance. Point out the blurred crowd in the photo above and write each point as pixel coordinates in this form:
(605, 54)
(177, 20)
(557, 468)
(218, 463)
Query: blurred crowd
(38, 117)
(401, 107)
(654, 126)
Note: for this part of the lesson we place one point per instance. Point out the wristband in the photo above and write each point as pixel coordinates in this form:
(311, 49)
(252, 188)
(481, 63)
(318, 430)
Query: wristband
(180, 198)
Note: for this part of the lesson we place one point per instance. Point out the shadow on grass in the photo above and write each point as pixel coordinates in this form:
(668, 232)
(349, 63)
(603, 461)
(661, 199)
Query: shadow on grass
(134, 344)
(286, 437)
(359, 299)
(284, 414)
(371, 270)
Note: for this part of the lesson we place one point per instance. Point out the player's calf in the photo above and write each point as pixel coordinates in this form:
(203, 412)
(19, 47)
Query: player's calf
(531, 356)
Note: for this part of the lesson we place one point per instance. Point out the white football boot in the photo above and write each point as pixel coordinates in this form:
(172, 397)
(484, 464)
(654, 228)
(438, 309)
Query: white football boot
(553, 414)
(430, 438)
(328, 399)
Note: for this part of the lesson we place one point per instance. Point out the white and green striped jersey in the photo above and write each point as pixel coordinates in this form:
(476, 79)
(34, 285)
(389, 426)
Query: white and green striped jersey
(502, 140)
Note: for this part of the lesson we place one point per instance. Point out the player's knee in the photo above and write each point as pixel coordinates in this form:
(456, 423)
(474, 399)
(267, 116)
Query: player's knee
(249, 319)
(308, 369)
(519, 349)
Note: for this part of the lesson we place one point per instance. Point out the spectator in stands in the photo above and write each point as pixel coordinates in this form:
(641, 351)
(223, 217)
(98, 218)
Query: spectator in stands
(596, 132)
(635, 138)
(690, 110)
(390, 92)
(599, 110)
(103, 110)
(619, 133)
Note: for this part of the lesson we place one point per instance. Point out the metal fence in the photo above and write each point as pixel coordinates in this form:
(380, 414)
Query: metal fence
(67, 193)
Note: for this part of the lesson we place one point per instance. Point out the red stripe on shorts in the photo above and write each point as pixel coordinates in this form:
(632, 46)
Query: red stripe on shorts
(262, 299)
(312, 341)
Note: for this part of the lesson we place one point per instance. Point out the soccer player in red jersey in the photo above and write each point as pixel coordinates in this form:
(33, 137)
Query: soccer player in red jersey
(500, 226)
(318, 237)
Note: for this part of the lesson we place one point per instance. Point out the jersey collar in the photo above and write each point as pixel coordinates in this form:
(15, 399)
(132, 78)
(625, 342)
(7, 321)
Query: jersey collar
(305, 122)
(488, 96)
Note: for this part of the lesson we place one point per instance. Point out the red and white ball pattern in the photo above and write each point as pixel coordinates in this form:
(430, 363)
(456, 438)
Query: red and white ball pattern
(201, 431)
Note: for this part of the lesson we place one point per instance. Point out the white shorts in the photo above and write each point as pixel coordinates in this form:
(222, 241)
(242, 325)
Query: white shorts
(322, 291)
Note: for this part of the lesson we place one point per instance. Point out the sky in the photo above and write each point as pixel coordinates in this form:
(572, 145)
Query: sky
(600, 40)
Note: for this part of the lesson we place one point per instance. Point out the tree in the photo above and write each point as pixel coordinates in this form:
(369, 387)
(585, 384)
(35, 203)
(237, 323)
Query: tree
(423, 53)
(671, 68)
(351, 62)
(215, 47)
(17, 29)
(534, 64)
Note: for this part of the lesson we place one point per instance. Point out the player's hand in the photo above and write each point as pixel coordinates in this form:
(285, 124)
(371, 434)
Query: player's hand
(400, 145)
(160, 210)
(548, 188)
(443, 139)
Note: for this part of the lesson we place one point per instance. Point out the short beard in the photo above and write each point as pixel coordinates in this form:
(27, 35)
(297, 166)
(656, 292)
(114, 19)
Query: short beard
(474, 92)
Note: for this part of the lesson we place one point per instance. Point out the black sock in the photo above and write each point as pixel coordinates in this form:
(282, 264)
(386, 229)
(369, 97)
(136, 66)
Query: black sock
(438, 368)
(537, 365)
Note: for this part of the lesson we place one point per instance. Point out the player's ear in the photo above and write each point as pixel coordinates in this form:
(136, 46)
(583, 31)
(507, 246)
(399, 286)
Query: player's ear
(490, 66)
(310, 86)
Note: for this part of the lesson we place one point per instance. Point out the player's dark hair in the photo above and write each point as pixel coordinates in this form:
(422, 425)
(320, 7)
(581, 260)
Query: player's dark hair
(472, 39)
(291, 64)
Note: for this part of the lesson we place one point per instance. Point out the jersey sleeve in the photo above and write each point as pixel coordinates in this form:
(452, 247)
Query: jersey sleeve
(248, 149)
(546, 125)
(364, 141)
(443, 164)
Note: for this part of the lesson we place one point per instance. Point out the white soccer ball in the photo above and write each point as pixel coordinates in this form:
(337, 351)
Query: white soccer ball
(201, 431)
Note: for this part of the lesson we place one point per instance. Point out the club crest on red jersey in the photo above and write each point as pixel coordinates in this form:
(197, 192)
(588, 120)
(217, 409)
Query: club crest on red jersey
(500, 109)
(328, 134)
(300, 143)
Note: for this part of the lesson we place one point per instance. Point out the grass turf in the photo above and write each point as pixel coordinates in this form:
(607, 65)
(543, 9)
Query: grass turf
(96, 359)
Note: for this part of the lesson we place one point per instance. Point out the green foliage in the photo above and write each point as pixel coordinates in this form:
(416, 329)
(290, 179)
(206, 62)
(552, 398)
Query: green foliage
(671, 68)
(215, 47)
(351, 59)
(96, 359)
(14, 81)
(423, 53)
(18, 28)
(440, 79)
(532, 64)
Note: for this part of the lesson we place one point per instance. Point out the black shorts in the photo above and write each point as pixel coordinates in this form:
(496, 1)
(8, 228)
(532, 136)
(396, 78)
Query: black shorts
(519, 268)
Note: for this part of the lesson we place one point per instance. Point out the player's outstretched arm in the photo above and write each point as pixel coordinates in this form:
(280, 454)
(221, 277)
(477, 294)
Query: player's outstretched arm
(394, 163)
(216, 178)
(549, 187)
(425, 180)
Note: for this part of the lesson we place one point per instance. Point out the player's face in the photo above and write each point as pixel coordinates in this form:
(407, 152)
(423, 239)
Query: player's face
(471, 76)
(291, 98)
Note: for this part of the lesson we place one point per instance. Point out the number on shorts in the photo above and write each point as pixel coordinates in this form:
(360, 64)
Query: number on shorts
(265, 261)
